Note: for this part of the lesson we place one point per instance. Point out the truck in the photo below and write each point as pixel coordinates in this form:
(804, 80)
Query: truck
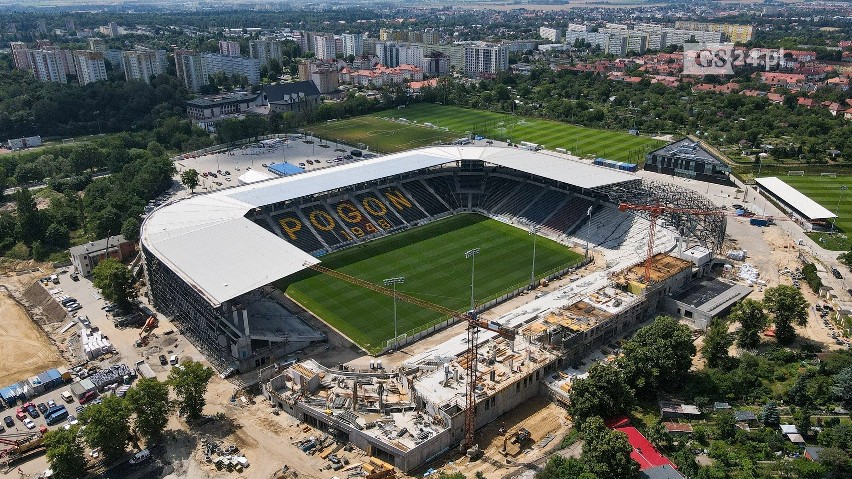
(755, 221)
(145, 370)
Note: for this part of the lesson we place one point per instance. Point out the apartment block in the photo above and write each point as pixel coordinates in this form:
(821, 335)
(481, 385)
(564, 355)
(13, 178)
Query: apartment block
(265, 50)
(142, 65)
(551, 34)
(90, 66)
(97, 45)
(482, 58)
(20, 54)
(229, 48)
(734, 32)
(325, 47)
(353, 44)
(48, 65)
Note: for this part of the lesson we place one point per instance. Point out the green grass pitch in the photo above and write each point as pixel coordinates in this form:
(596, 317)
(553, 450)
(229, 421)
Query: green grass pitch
(384, 135)
(431, 258)
(827, 192)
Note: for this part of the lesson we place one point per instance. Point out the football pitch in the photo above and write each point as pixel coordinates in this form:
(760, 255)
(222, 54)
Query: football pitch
(431, 259)
(401, 129)
(827, 191)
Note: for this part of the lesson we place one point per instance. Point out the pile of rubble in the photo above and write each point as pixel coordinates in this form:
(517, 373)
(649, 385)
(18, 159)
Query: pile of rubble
(112, 375)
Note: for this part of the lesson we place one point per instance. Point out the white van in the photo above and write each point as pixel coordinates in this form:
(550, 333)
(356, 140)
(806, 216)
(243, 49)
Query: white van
(67, 397)
(173, 360)
(140, 456)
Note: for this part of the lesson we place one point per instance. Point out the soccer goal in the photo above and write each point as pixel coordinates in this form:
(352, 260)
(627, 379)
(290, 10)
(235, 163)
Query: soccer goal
(796, 173)
(829, 175)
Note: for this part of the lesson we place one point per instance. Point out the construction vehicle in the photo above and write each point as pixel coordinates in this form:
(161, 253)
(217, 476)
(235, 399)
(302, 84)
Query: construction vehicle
(520, 436)
(469, 357)
(655, 211)
(19, 444)
(150, 324)
(145, 370)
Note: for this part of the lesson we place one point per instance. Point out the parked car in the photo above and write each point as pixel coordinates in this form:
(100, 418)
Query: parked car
(32, 410)
(836, 273)
(9, 421)
(173, 360)
(20, 414)
(88, 397)
(51, 403)
(163, 360)
(29, 423)
(42, 407)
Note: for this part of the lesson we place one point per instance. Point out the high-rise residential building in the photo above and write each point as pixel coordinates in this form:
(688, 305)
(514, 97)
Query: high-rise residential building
(430, 36)
(142, 65)
(436, 64)
(734, 32)
(627, 41)
(388, 54)
(265, 50)
(114, 31)
(48, 65)
(90, 66)
(353, 44)
(483, 59)
(97, 45)
(577, 27)
(70, 26)
(247, 67)
(552, 34)
(326, 78)
(324, 47)
(229, 48)
(189, 66)
(20, 54)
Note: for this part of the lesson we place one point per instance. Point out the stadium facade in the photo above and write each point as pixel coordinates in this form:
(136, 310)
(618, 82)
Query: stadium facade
(210, 258)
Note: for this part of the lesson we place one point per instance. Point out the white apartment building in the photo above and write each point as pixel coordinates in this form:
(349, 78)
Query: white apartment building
(388, 54)
(482, 58)
(190, 69)
(229, 48)
(552, 34)
(48, 65)
(353, 44)
(576, 27)
(142, 65)
(90, 66)
(325, 47)
(265, 50)
(248, 67)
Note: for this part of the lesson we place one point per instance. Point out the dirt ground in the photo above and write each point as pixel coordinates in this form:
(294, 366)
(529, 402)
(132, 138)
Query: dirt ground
(27, 350)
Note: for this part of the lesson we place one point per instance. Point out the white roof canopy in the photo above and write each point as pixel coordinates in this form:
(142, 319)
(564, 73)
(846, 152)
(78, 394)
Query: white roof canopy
(207, 240)
(793, 197)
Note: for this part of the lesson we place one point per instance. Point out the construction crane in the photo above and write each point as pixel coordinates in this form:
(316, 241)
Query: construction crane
(19, 445)
(655, 211)
(474, 324)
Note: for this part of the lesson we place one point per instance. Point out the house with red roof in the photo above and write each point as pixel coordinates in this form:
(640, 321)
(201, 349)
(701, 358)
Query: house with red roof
(644, 453)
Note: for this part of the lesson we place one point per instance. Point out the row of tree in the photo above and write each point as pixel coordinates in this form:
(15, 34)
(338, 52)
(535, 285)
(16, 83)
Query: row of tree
(144, 413)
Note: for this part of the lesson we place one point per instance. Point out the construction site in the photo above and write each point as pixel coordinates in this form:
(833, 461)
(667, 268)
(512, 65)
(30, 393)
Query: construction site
(436, 401)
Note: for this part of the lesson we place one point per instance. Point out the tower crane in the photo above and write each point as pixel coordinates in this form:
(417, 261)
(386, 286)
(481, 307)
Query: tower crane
(654, 212)
(474, 324)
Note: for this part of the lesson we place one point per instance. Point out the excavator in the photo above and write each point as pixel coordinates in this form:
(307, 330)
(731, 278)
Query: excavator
(147, 329)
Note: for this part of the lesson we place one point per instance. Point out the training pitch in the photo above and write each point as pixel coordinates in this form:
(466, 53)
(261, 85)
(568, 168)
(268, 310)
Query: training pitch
(827, 191)
(431, 258)
(402, 129)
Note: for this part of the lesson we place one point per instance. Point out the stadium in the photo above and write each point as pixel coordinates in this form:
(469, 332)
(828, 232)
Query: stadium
(218, 263)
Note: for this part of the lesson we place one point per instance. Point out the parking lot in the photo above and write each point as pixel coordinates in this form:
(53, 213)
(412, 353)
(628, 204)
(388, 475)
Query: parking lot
(221, 170)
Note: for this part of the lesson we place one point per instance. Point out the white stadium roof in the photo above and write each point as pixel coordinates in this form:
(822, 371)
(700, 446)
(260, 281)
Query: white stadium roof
(209, 243)
(795, 199)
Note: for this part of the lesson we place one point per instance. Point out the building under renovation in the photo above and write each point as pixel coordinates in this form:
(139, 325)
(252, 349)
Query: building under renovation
(410, 415)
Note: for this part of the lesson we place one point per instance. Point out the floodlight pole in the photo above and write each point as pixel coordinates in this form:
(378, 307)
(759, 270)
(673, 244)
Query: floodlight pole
(393, 282)
(472, 255)
(534, 233)
(588, 230)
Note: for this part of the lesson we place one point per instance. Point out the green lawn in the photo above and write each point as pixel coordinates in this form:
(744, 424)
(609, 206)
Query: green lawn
(826, 191)
(381, 133)
(431, 258)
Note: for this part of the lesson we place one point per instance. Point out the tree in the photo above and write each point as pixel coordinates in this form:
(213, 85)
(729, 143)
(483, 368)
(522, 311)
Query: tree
(190, 383)
(603, 393)
(114, 281)
(753, 320)
(189, 178)
(726, 425)
(716, 343)
(787, 307)
(559, 467)
(107, 426)
(802, 418)
(65, 454)
(658, 356)
(149, 402)
(30, 224)
(843, 386)
(56, 235)
(769, 415)
(607, 452)
(130, 228)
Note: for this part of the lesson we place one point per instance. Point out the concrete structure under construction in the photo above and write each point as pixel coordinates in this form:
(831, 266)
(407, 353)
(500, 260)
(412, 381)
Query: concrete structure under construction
(410, 415)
